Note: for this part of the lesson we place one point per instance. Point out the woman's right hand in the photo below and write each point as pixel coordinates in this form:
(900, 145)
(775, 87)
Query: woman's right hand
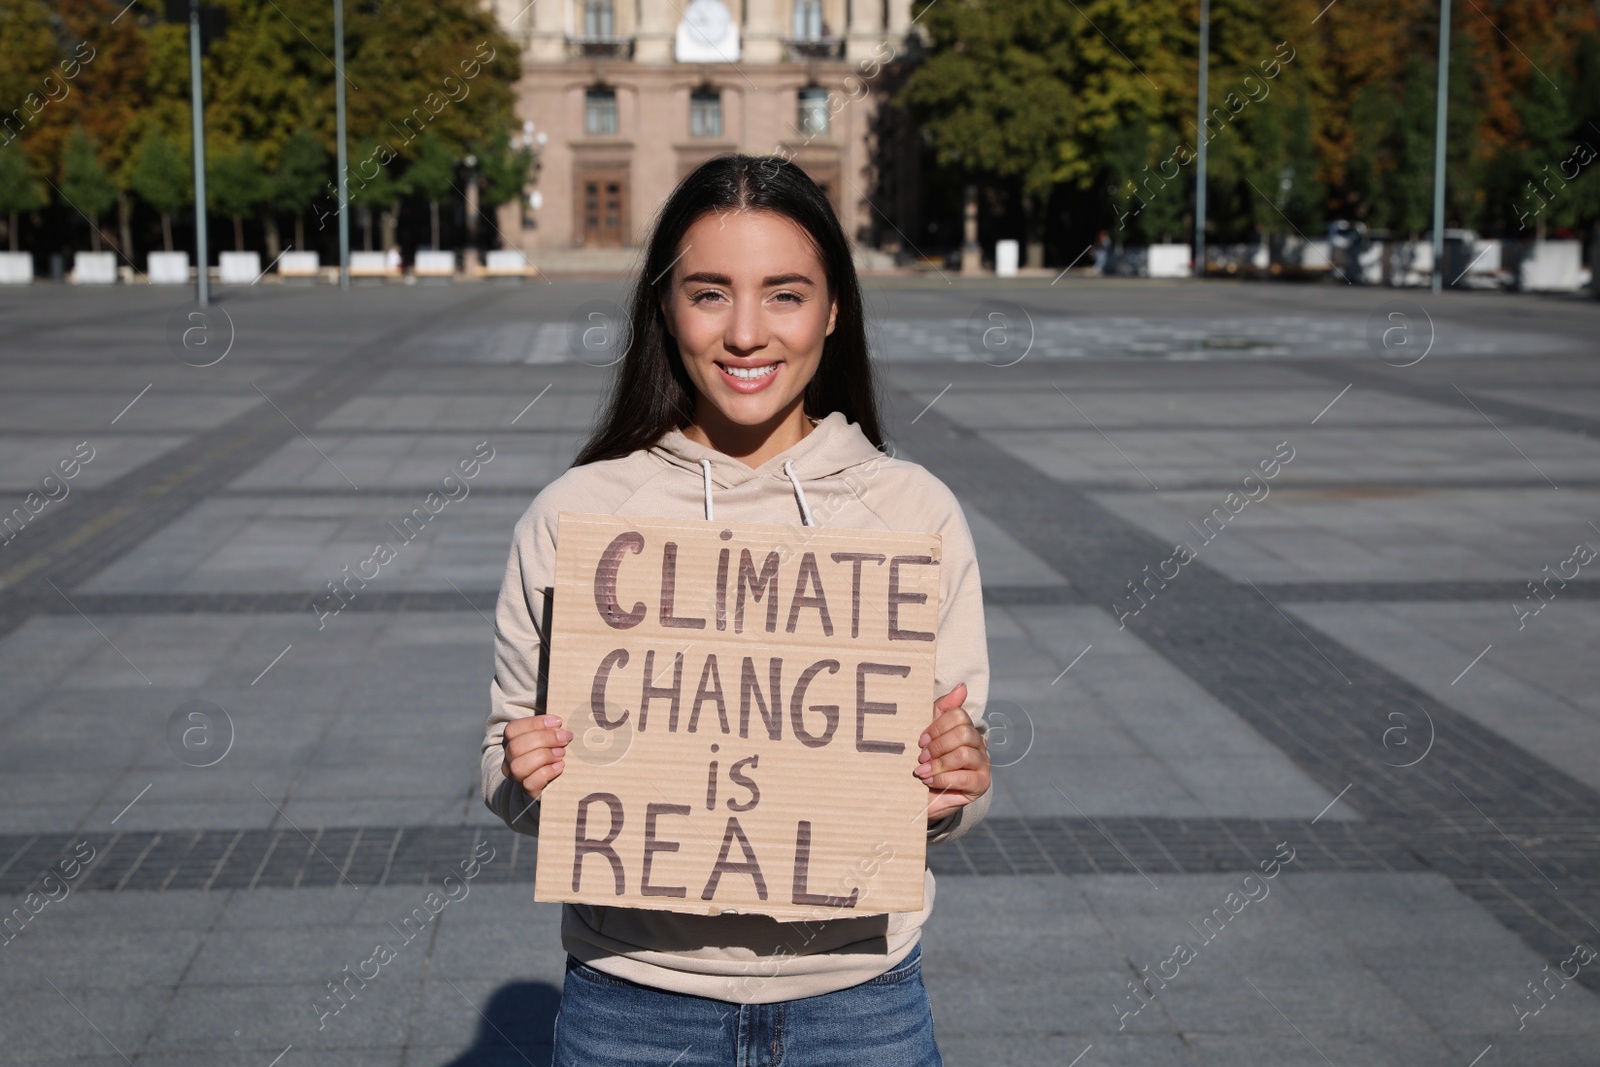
(534, 747)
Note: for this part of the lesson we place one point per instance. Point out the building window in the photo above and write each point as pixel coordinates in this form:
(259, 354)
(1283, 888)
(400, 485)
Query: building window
(600, 112)
(813, 118)
(807, 20)
(705, 113)
(597, 18)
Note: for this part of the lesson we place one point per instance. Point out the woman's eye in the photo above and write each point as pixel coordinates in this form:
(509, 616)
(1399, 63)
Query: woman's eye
(705, 295)
(789, 298)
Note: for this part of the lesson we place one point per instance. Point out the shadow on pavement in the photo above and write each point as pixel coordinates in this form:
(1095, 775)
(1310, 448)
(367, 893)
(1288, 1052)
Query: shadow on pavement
(516, 1028)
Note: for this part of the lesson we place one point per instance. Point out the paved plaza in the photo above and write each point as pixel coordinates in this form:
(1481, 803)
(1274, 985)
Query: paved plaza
(1365, 686)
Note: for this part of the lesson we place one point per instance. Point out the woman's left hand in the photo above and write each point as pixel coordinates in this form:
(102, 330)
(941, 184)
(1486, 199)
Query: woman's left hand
(954, 762)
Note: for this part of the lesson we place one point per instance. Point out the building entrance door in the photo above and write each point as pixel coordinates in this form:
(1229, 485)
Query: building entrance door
(602, 208)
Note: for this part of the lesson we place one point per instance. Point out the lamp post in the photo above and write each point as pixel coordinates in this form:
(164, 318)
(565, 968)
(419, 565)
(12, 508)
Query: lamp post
(344, 151)
(197, 109)
(1200, 143)
(1441, 109)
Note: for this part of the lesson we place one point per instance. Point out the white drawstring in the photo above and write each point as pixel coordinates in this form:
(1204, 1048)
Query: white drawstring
(788, 468)
(800, 494)
(705, 468)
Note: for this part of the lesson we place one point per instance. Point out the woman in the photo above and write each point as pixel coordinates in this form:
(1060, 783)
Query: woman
(746, 394)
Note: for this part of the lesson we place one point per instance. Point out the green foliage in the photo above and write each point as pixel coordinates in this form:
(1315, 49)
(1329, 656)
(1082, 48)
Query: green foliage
(85, 181)
(505, 169)
(373, 183)
(302, 173)
(432, 174)
(441, 67)
(236, 184)
(995, 95)
(28, 55)
(20, 191)
(161, 176)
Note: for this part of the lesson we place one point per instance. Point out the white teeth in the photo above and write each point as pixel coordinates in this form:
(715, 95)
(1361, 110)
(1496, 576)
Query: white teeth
(749, 373)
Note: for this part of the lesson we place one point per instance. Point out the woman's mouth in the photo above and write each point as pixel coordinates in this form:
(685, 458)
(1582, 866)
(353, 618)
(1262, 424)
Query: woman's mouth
(749, 379)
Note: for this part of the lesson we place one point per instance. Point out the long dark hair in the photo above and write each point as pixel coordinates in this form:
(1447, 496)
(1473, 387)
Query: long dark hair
(651, 393)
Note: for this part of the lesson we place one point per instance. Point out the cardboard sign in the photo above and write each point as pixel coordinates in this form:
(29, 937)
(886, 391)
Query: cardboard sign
(745, 702)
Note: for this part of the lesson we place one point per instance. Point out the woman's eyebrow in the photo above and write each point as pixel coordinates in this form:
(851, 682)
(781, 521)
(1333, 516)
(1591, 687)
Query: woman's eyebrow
(712, 278)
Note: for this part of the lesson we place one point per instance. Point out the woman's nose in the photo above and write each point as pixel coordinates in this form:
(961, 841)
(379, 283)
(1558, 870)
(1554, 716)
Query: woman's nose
(747, 329)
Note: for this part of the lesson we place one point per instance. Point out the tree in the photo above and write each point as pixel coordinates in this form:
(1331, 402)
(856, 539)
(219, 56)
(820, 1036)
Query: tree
(302, 172)
(432, 176)
(110, 92)
(1029, 94)
(162, 178)
(85, 182)
(33, 91)
(372, 185)
(995, 95)
(236, 185)
(20, 191)
(505, 168)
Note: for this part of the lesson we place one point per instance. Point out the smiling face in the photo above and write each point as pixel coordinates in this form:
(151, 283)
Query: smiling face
(749, 308)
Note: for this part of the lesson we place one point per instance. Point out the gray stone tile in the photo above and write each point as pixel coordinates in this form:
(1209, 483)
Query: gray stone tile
(412, 461)
(1534, 688)
(1030, 1050)
(563, 408)
(26, 460)
(75, 1023)
(1386, 1050)
(459, 1013)
(1002, 561)
(298, 545)
(100, 955)
(1124, 733)
(265, 1017)
(1464, 997)
(1173, 459)
(1380, 534)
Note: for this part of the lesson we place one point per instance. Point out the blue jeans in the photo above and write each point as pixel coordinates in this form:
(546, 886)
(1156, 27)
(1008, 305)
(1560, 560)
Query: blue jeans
(611, 1022)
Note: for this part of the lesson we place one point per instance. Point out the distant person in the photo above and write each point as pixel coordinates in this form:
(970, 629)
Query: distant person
(746, 394)
(1102, 253)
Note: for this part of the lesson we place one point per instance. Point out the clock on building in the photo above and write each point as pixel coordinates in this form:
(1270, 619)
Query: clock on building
(707, 34)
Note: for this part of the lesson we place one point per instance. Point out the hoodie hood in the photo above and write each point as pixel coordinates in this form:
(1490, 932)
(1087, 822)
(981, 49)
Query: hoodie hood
(834, 445)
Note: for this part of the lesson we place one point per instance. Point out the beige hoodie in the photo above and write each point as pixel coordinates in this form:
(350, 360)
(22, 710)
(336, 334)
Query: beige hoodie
(832, 477)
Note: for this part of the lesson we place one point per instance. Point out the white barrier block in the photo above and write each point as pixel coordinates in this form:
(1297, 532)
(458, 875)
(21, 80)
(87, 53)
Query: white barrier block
(369, 265)
(1005, 258)
(1317, 254)
(168, 268)
(1170, 261)
(1551, 267)
(94, 268)
(434, 264)
(238, 268)
(16, 268)
(1369, 261)
(299, 265)
(1487, 257)
(507, 262)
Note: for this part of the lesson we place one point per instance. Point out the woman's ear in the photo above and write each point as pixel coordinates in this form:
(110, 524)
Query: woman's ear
(666, 316)
(833, 315)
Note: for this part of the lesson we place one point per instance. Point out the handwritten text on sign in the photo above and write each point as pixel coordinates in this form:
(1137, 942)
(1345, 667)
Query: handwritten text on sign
(745, 702)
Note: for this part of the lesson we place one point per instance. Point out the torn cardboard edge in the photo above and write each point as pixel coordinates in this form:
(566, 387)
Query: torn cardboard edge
(745, 701)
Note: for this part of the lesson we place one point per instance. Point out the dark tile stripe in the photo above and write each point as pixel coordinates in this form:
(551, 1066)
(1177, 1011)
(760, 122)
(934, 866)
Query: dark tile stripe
(995, 595)
(1323, 705)
(1406, 382)
(70, 543)
(412, 855)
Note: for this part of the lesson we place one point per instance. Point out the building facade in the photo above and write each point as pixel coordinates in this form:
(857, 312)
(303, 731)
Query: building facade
(622, 98)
